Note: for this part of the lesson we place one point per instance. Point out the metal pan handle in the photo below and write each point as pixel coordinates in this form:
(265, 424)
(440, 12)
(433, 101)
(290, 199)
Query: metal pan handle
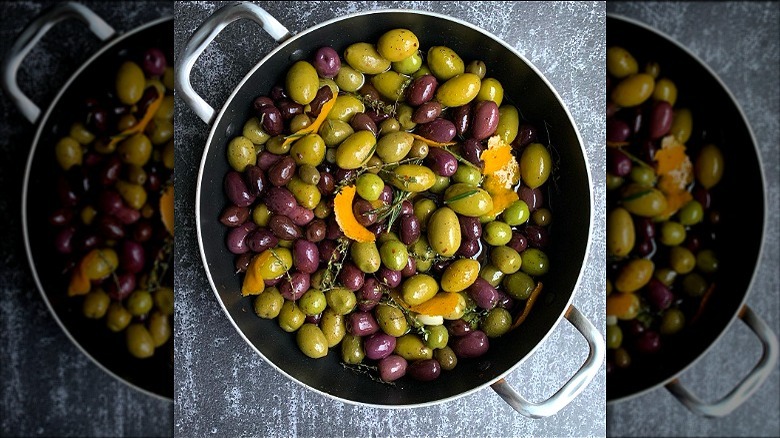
(747, 386)
(570, 389)
(206, 33)
(30, 37)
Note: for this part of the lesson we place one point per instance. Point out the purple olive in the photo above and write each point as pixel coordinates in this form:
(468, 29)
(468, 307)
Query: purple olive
(295, 286)
(333, 231)
(410, 268)
(121, 288)
(236, 237)
(327, 184)
(327, 248)
(427, 112)
(532, 197)
(233, 215)
(658, 295)
(62, 216)
(289, 108)
(660, 119)
(648, 342)
(617, 130)
(635, 120)
(266, 159)
(351, 276)
(306, 256)
(526, 134)
(313, 319)
(458, 327)
(407, 207)
(421, 90)
(261, 239)
(109, 202)
(645, 247)
(280, 201)
(645, 227)
(271, 119)
(236, 190)
(483, 294)
(284, 228)
(371, 290)
(301, 215)
(485, 119)
(441, 162)
(327, 62)
(277, 92)
(255, 180)
(702, 195)
(282, 172)
(262, 102)
(63, 242)
(472, 150)
(242, 262)
(392, 368)
(618, 163)
(647, 151)
(132, 257)
(377, 116)
(461, 116)
(323, 95)
(473, 344)
(110, 227)
(364, 324)
(469, 248)
(369, 92)
(470, 227)
(424, 370)
(378, 345)
(410, 229)
(363, 122)
(109, 171)
(537, 237)
(388, 277)
(315, 231)
(439, 130)
(127, 215)
(505, 301)
(154, 62)
(142, 230)
(386, 195)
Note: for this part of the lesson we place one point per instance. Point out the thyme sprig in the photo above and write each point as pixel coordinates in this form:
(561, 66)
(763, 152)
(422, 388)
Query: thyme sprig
(368, 370)
(335, 263)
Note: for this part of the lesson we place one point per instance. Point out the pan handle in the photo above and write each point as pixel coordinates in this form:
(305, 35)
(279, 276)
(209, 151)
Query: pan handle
(30, 37)
(747, 386)
(570, 389)
(206, 33)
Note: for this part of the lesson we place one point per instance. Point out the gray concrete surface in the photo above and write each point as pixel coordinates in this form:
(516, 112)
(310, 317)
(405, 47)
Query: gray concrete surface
(224, 389)
(47, 386)
(741, 43)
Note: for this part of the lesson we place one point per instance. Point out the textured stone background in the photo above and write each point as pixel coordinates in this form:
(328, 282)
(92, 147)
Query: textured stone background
(740, 42)
(224, 389)
(47, 386)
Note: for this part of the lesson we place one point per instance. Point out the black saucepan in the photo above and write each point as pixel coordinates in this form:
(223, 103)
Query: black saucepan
(108, 350)
(718, 119)
(571, 199)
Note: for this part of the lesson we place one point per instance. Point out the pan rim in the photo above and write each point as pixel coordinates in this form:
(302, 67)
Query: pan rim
(257, 66)
(116, 40)
(762, 174)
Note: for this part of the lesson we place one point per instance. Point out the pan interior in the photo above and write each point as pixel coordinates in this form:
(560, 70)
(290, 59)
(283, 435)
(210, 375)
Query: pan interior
(569, 196)
(716, 119)
(154, 375)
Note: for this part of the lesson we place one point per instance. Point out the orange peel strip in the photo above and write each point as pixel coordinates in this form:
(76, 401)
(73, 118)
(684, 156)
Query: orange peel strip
(166, 208)
(342, 207)
(79, 283)
(141, 125)
(441, 304)
(315, 126)
(528, 304)
(431, 142)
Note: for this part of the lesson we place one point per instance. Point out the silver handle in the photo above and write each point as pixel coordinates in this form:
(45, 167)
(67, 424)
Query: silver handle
(571, 389)
(747, 386)
(206, 33)
(30, 37)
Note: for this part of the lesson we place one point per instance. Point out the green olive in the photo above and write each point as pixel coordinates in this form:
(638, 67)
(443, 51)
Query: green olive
(299, 122)
(506, 259)
(633, 90)
(291, 318)
(163, 300)
(459, 90)
(389, 125)
(272, 263)
(159, 328)
(355, 151)
(517, 213)
(672, 322)
(440, 185)
(345, 107)
(391, 320)
(665, 90)
(508, 123)
(278, 145)
(467, 175)
(459, 275)
(614, 336)
(694, 284)
(614, 181)
(437, 337)
(311, 341)
(241, 153)
(312, 302)
(542, 217)
(643, 175)
(394, 255)
(411, 348)
(423, 209)
(444, 233)
(394, 146)
(423, 254)
(397, 44)
(130, 83)
(468, 200)
(333, 327)
(408, 65)
(534, 262)
(302, 82)
(139, 302)
(117, 317)
(269, 303)
(307, 195)
(491, 274)
(261, 215)
(366, 256)
(81, 134)
(68, 152)
(634, 275)
(497, 233)
(352, 349)
(620, 62)
(644, 201)
(136, 150)
(333, 132)
(672, 233)
(707, 261)
(682, 124)
(621, 235)
(535, 165)
(139, 341)
(369, 186)
(444, 63)
(418, 289)
(665, 275)
(691, 213)
(341, 300)
(96, 304)
(491, 89)
(404, 114)
(160, 131)
(349, 79)
(519, 285)
(709, 166)
(390, 85)
(446, 358)
(364, 58)
(424, 70)
(309, 174)
(497, 322)
(412, 177)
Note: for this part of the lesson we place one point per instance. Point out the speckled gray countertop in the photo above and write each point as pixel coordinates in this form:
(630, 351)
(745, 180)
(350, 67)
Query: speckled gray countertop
(47, 386)
(741, 43)
(224, 389)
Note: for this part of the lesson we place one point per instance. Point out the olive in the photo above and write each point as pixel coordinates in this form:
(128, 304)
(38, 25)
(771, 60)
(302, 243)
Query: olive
(633, 90)
(409, 65)
(421, 90)
(624, 306)
(349, 79)
(355, 150)
(694, 284)
(444, 234)
(665, 90)
(497, 233)
(95, 304)
(241, 153)
(397, 44)
(446, 358)
(301, 82)
(672, 321)
(390, 85)
(139, 341)
(437, 337)
(620, 62)
(643, 201)
(312, 341)
(268, 304)
(459, 275)
(535, 165)
(365, 58)
(706, 261)
(394, 255)
(333, 327)
(459, 90)
(352, 349)
(508, 123)
(411, 347)
(506, 259)
(682, 124)
(326, 62)
(620, 232)
(468, 200)
(394, 146)
(391, 320)
(497, 322)
(691, 213)
(634, 275)
(709, 166)
(130, 83)
(412, 178)
(68, 152)
(614, 336)
(444, 63)
(534, 262)
(419, 289)
(519, 285)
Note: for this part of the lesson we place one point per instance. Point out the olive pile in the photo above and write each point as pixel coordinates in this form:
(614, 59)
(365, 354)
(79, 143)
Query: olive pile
(116, 161)
(661, 220)
(360, 214)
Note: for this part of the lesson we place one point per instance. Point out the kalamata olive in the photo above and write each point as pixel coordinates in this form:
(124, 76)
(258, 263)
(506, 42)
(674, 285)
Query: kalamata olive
(635, 327)
(236, 237)
(410, 229)
(439, 266)
(388, 277)
(473, 344)
(472, 150)
(658, 295)
(485, 119)
(262, 102)
(233, 215)
(283, 227)
(377, 116)
(391, 368)
(333, 230)
(147, 97)
(313, 319)
(386, 195)
(267, 159)
(644, 227)
(242, 262)
(702, 196)
(273, 281)
(280, 201)
(351, 276)
(461, 117)
(469, 248)
(693, 241)
(289, 109)
(345, 174)
(439, 130)
(271, 119)
(518, 242)
(142, 230)
(363, 122)
(371, 290)
(154, 62)
(648, 342)
(277, 92)
(470, 227)
(236, 190)
(526, 134)
(121, 288)
(110, 227)
(127, 215)
(153, 181)
(532, 197)
(505, 301)
(132, 257)
(63, 242)
(261, 239)
(425, 370)
(86, 240)
(617, 130)
(327, 184)
(62, 216)
(323, 95)
(109, 171)
(326, 62)
(97, 119)
(378, 345)
(301, 216)
(483, 294)
(426, 112)
(421, 90)
(378, 228)
(537, 236)
(294, 286)
(410, 268)
(618, 163)
(306, 256)
(647, 151)
(315, 231)
(67, 196)
(645, 247)
(458, 327)
(363, 211)
(441, 162)
(255, 180)
(660, 119)
(327, 248)
(635, 120)
(364, 324)
(109, 202)
(407, 207)
(369, 92)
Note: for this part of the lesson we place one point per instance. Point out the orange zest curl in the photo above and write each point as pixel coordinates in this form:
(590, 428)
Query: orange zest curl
(342, 208)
